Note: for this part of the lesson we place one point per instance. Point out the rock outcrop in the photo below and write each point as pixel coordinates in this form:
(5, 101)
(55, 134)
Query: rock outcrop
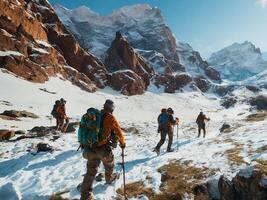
(6, 134)
(246, 185)
(35, 45)
(128, 82)
(18, 114)
(172, 83)
(121, 56)
(260, 102)
(130, 73)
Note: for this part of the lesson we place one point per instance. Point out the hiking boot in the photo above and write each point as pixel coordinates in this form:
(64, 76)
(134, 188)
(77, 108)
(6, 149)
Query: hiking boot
(157, 151)
(99, 177)
(88, 196)
(170, 150)
(112, 179)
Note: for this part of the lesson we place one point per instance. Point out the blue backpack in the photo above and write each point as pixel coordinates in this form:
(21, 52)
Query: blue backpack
(163, 119)
(89, 130)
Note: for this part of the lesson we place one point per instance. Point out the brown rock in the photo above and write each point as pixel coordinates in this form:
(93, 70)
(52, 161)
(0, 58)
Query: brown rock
(248, 186)
(6, 134)
(23, 24)
(128, 82)
(172, 83)
(17, 114)
(202, 83)
(121, 56)
(226, 189)
(212, 74)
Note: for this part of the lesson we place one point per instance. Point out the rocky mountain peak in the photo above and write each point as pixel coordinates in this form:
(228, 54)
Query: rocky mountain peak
(238, 61)
(121, 56)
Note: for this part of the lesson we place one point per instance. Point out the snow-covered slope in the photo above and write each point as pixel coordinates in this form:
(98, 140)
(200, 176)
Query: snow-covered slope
(238, 61)
(37, 176)
(259, 80)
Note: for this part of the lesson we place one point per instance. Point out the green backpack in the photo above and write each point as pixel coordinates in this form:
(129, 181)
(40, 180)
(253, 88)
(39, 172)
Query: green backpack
(89, 130)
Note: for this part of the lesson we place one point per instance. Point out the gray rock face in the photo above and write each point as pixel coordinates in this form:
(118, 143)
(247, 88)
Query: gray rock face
(260, 102)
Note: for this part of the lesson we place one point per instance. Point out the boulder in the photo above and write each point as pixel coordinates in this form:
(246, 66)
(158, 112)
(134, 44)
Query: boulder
(228, 102)
(6, 134)
(18, 114)
(253, 88)
(172, 83)
(226, 188)
(72, 127)
(260, 102)
(42, 130)
(202, 83)
(225, 127)
(223, 90)
(128, 82)
(20, 132)
(43, 147)
(201, 191)
(246, 185)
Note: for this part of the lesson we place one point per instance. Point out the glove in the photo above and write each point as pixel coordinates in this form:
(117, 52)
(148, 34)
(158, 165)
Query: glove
(177, 120)
(122, 145)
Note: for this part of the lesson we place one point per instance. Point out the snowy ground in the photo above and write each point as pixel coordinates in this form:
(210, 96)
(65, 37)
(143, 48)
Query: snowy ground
(37, 176)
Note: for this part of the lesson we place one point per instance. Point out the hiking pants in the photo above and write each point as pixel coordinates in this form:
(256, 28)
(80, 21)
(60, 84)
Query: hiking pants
(202, 127)
(163, 135)
(60, 123)
(94, 159)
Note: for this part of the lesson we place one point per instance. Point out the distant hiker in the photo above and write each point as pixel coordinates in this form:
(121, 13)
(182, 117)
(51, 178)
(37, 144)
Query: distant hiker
(63, 120)
(54, 112)
(162, 119)
(166, 121)
(95, 137)
(201, 123)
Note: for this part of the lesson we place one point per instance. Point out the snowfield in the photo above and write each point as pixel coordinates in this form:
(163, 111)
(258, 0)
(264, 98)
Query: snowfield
(25, 174)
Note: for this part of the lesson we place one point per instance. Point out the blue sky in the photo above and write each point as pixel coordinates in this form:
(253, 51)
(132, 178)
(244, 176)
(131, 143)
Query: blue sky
(207, 25)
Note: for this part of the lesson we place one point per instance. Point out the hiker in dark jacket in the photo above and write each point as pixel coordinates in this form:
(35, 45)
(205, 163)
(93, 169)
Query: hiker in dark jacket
(201, 123)
(166, 128)
(161, 118)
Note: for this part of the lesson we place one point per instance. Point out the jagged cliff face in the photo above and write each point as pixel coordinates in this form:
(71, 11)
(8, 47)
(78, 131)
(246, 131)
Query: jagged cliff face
(35, 45)
(238, 61)
(143, 26)
(146, 31)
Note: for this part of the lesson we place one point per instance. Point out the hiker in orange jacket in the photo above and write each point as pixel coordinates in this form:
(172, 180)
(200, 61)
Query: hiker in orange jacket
(62, 117)
(102, 152)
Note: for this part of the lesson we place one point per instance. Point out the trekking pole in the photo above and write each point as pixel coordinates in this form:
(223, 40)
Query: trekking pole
(123, 171)
(177, 136)
(79, 147)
